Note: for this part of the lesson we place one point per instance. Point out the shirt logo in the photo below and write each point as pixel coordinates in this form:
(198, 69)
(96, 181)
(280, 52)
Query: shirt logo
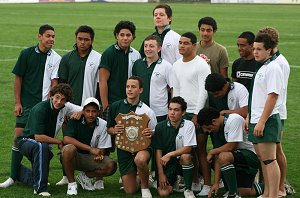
(50, 66)
(156, 74)
(168, 45)
(91, 65)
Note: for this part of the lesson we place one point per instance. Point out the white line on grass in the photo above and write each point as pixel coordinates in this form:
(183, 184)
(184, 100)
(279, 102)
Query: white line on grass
(23, 47)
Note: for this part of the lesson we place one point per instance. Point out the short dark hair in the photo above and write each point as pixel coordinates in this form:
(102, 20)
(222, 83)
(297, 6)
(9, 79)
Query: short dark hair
(267, 40)
(214, 82)
(139, 79)
(154, 37)
(206, 115)
(86, 29)
(191, 36)
(167, 8)
(64, 89)
(125, 25)
(249, 36)
(178, 100)
(208, 21)
(44, 28)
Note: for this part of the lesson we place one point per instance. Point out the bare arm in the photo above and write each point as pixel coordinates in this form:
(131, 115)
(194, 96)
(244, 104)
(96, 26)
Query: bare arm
(48, 140)
(241, 111)
(230, 146)
(184, 150)
(17, 93)
(104, 75)
(82, 146)
(163, 181)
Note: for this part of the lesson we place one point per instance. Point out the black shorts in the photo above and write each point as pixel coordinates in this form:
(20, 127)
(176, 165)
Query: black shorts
(241, 164)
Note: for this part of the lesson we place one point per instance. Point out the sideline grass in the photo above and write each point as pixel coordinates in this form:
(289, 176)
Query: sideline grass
(20, 22)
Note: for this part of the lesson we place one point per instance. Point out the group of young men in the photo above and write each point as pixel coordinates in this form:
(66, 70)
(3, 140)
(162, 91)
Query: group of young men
(170, 80)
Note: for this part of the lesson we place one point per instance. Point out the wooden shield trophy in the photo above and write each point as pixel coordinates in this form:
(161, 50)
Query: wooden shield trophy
(132, 140)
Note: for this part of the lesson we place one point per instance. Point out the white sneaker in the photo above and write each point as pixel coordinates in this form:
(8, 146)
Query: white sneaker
(43, 194)
(146, 193)
(99, 185)
(234, 196)
(196, 187)
(205, 190)
(221, 184)
(84, 181)
(189, 194)
(226, 194)
(63, 181)
(9, 182)
(72, 188)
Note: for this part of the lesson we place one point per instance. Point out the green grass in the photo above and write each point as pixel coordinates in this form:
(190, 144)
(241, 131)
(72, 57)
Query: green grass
(20, 22)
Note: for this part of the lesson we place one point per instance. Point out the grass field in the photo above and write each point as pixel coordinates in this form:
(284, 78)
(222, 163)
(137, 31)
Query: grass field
(20, 22)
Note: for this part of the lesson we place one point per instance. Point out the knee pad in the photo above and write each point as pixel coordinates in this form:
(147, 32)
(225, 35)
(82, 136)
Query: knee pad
(269, 161)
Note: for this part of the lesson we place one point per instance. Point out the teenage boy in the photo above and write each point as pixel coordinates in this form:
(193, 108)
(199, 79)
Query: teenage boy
(173, 142)
(116, 66)
(86, 140)
(35, 74)
(131, 164)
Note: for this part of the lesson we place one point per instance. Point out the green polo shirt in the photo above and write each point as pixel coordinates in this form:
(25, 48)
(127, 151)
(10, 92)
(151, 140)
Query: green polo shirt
(31, 66)
(42, 120)
(82, 132)
(165, 138)
(140, 68)
(71, 70)
(115, 60)
(121, 106)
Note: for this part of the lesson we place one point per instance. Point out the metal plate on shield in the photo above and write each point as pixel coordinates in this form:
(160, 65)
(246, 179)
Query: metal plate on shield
(132, 140)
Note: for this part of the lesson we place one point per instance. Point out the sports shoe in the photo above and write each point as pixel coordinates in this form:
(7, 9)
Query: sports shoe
(9, 182)
(151, 182)
(234, 196)
(226, 194)
(221, 184)
(43, 194)
(179, 184)
(84, 181)
(205, 190)
(146, 193)
(289, 188)
(72, 188)
(99, 185)
(196, 187)
(63, 181)
(188, 194)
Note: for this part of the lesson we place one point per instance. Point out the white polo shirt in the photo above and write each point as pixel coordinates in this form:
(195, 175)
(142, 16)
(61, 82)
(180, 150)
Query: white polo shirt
(169, 50)
(161, 78)
(51, 71)
(268, 79)
(91, 75)
(237, 96)
(101, 139)
(186, 135)
(285, 67)
(233, 132)
(189, 82)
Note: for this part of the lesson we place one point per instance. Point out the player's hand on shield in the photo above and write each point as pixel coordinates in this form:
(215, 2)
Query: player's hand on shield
(148, 133)
(119, 129)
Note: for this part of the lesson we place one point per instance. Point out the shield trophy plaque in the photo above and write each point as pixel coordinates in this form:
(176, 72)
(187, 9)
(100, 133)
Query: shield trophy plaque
(132, 140)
